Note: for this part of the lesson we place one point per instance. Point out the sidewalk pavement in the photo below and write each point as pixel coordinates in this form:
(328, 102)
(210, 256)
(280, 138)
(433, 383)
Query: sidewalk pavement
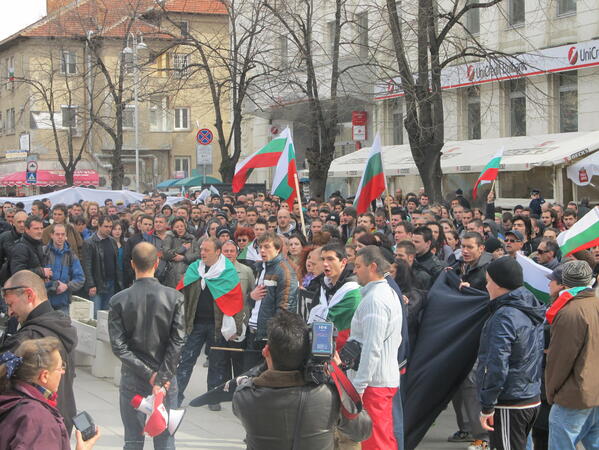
(201, 428)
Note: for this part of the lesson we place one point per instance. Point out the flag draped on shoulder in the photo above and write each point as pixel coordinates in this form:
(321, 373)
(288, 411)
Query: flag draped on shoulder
(283, 184)
(535, 277)
(373, 182)
(222, 281)
(489, 173)
(583, 234)
(267, 156)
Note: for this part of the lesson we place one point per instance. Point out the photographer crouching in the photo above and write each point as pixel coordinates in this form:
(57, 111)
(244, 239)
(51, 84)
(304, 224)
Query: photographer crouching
(280, 408)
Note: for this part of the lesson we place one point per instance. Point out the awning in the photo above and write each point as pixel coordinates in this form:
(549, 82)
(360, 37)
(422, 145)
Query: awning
(520, 154)
(167, 183)
(52, 178)
(196, 180)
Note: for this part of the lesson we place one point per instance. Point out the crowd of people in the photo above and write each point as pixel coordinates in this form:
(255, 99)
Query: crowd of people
(367, 273)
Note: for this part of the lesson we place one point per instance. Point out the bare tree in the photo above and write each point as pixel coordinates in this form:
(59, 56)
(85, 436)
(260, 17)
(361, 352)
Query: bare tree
(57, 85)
(229, 63)
(438, 37)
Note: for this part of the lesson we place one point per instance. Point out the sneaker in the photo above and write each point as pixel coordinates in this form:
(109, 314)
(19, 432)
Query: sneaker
(214, 407)
(479, 444)
(460, 436)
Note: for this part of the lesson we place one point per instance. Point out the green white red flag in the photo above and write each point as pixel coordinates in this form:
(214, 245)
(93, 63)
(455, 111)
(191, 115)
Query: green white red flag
(535, 278)
(489, 173)
(583, 234)
(283, 184)
(373, 182)
(222, 282)
(267, 156)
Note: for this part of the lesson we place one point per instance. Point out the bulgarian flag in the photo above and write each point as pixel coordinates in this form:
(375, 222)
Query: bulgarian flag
(373, 182)
(535, 278)
(283, 184)
(222, 281)
(267, 156)
(489, 173)
(583, 234)
(339, 309)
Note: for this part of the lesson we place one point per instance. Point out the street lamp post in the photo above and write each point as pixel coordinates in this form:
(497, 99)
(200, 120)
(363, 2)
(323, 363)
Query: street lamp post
(133, 51)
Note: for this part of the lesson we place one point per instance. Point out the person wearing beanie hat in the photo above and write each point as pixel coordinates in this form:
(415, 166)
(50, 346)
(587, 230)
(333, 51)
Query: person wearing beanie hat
(571, 380)
(495, 247)
(510, 357)
(223, 233)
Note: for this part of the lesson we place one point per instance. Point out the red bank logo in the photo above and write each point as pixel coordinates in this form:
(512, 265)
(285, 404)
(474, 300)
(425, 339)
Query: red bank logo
(583, 176)
(573, 55)
(470, 73)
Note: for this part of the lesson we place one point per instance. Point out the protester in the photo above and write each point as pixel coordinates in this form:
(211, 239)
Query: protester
(376, 325)
(67, 274)
(571, 380)
(27, 300)
(146, 328)
(59, 216)
(510, 357)
(180, 249)
(27, 253)
(30, 380)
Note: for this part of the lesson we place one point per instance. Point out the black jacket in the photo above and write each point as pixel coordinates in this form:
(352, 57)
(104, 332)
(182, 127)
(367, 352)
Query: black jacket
(474, 275)
(93, 264)
(146, 324)
(430, 264)
(511, 351)
(8, 239)
(43, 321)
(27, 254)
(268, 406)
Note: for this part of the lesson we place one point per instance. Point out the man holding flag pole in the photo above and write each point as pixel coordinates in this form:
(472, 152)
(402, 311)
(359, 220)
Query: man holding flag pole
(489, 173)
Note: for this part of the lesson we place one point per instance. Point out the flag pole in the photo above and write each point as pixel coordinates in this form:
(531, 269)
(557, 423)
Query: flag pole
(299, 201)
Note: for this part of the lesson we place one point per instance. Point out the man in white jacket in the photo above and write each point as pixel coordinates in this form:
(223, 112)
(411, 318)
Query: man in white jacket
(377, 326)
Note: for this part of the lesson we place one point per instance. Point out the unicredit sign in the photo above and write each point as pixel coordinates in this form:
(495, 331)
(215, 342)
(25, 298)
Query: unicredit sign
(555, 59)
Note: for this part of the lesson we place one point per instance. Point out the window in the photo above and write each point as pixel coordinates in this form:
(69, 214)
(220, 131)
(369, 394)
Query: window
(517, 105)
(158, 114)
(182, 164)
(283, 52)
(181, 118)
(362, 34)
(566, 7)
(10, 72)
(397, 118)
(473, 20)
(1, 124)
(516, 12)
(129, 116)
(68, 63)
(180, 64)
(184, 27)
(568, 101)
(331, 27)
(10, 121)
(473, 106)
(69, 116)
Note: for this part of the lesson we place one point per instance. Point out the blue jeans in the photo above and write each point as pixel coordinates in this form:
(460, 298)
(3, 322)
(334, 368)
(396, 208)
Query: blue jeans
(398, 419)
(568, 427)
(133, 420)
(202, 333)
(101, 299)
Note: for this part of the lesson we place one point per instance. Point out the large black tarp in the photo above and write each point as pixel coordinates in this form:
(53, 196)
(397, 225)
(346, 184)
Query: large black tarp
(443, 354)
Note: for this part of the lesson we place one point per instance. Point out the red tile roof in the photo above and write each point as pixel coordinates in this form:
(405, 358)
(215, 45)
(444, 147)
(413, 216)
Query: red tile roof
(110, 18)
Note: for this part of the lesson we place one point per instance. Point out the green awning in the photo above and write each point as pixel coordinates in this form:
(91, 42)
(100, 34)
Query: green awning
(196, 180)
(167, 183)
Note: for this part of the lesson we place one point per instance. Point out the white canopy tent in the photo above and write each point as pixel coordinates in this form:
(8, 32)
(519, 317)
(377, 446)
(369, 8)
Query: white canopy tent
(74, 194)
(468, 158)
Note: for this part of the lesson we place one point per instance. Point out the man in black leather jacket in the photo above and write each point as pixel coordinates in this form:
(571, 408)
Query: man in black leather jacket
(268, 405)
(146, 324)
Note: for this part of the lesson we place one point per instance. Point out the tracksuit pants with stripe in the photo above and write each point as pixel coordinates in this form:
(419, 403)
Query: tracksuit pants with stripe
(511, 427)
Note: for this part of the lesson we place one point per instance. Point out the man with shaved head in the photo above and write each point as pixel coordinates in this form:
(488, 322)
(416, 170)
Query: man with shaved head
(25, 295)
(146, 328)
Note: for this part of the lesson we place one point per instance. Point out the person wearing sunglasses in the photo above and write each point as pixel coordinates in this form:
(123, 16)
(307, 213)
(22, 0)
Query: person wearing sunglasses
(513, 242)
(547, 253)
(27, 300)
(29, 383)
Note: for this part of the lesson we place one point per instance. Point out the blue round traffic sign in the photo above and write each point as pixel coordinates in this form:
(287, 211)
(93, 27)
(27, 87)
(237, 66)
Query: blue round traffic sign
(204, 136)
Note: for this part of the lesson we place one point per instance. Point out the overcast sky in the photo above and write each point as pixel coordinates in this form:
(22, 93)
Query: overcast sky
(17, 14)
